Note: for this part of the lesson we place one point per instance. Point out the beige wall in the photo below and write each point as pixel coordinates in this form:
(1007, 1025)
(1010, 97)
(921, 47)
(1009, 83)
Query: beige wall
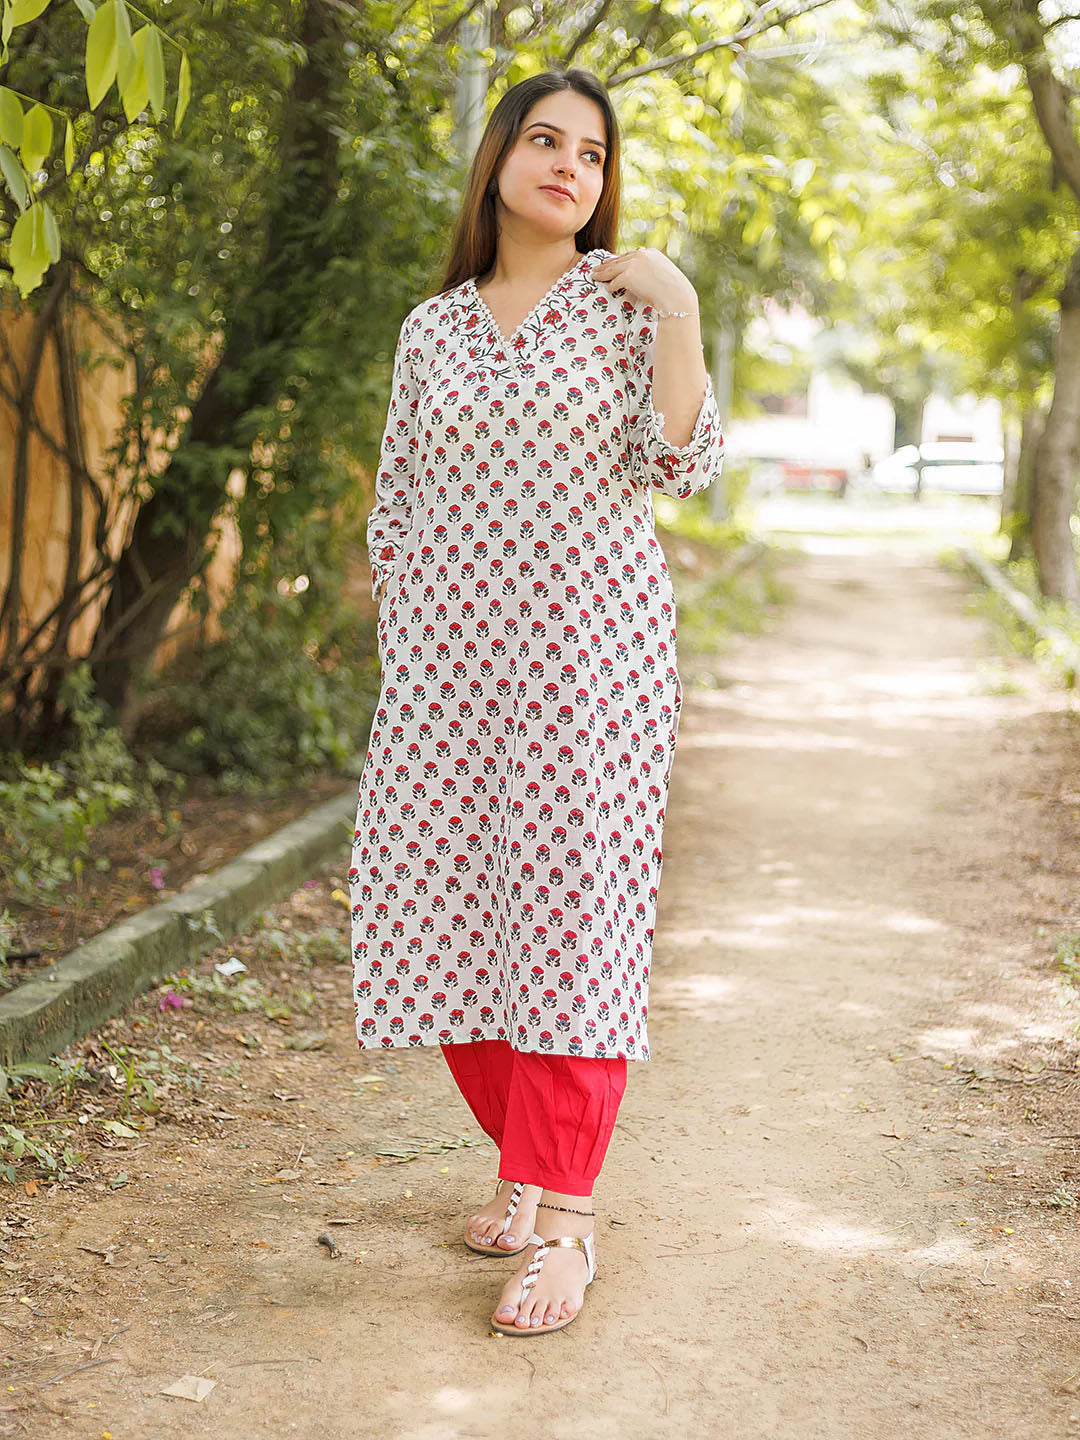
(103, 387)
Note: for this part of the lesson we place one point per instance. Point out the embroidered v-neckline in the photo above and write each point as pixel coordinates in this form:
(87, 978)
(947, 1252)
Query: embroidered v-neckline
(507, 342)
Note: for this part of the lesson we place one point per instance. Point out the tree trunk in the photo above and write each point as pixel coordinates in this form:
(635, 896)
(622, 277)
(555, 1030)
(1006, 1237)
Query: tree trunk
(1018, 502)
(170, 536)
(1057, 456)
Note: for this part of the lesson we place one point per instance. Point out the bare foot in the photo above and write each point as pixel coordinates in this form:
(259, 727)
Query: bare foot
(559, 1291)
(485, 1227)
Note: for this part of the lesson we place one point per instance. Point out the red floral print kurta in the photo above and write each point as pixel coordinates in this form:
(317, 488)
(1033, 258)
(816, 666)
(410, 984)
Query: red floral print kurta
(507, 853)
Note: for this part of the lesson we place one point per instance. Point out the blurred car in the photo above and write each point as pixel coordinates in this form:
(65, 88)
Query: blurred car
(954, 467)
(813, 475)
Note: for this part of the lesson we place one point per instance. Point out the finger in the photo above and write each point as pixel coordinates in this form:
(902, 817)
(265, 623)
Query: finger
(615, 263)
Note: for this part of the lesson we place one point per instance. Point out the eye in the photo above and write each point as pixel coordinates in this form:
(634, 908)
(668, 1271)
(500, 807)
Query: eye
(543, 135)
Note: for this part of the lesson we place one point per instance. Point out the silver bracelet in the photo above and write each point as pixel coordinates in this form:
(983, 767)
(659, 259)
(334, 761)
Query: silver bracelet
(664, 314)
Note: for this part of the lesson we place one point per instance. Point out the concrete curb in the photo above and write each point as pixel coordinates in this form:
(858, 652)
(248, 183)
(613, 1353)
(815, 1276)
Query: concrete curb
(1056, 641)
(98, 979)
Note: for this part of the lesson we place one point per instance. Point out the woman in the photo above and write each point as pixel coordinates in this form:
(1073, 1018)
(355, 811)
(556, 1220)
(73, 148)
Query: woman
(507, 851)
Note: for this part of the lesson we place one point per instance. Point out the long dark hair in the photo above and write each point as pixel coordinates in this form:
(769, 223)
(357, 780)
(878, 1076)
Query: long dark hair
(473, 249)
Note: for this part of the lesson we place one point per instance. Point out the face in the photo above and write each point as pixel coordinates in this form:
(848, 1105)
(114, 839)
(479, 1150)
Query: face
(561, 147)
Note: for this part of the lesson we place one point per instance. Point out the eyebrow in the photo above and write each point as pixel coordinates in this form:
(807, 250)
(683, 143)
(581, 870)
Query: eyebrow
(560, 131)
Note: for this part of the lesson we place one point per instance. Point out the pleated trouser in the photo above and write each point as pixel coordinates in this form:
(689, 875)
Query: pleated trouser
(551, 1116)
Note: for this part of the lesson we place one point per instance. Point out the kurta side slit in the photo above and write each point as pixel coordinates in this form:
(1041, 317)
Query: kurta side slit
(508, 844)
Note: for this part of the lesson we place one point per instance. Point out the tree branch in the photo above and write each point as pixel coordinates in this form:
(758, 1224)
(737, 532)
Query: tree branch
(756, 25)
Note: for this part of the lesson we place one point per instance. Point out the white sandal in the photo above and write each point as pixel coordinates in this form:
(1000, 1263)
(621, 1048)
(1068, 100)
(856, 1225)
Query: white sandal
(511, 1210)
(532, 1274)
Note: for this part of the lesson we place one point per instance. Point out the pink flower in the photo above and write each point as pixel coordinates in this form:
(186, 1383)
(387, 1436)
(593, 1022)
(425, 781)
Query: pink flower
(157, 877)
(171, 1001)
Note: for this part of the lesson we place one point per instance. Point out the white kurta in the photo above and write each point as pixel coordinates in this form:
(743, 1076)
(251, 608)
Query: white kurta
(507, 853)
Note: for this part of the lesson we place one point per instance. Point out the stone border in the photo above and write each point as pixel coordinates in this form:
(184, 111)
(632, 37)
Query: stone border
(1054, 638)
(97, 980)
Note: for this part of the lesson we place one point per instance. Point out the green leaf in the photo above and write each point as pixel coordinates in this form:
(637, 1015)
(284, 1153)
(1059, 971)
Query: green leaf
(29, 250)
(23, 11)
(127, 64)
(147, 42)
(37, 137)
(733, 93)
(117, 1127)
(87, 9)
(11, 118)
(134, 91)
(183, 90)
(107, 40)
(14, 177)
(52, 232)
(37, 1069)
(756, 226)
(69, 147)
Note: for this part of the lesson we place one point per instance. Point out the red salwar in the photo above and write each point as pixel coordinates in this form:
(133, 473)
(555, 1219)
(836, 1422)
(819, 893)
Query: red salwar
(550, 1115)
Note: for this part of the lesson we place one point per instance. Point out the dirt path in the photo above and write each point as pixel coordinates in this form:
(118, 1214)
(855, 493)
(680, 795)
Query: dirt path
(819, 1221)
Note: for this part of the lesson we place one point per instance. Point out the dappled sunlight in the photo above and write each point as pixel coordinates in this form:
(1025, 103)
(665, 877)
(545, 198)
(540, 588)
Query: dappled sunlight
(794, 1220)
(820, 701)
(905, 923)
(762, 929)
(798, 915)
(797, 1220)
(1017, 1029)
(723, 936)
(683, 938)
(708, 996)
(947, 677)
(857, 1007)
(698, 991)
(798, 738)
(1009, 1016)
(451, 1400)
(874, 524)
(946, 1040)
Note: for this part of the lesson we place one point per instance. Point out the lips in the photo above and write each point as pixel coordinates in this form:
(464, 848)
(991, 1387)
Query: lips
(557, 190)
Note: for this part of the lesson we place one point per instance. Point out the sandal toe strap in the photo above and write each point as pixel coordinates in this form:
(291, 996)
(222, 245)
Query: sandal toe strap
(511, 1209)
(568, 1242)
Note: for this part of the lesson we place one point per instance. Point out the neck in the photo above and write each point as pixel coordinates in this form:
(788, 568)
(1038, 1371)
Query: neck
(531, 264)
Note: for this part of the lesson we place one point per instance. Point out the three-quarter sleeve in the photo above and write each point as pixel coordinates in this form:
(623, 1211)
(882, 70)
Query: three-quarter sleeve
(677, 470)
(390, 518)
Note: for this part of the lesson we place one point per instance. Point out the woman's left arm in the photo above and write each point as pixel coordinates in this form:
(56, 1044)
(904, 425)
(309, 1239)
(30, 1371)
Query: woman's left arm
(676, 435)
